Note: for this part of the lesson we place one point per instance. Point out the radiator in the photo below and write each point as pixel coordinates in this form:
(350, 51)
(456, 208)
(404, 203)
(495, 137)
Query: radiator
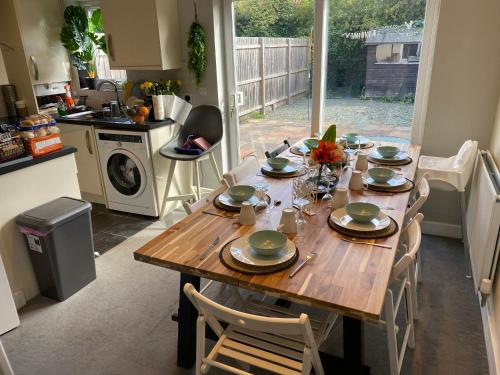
(483, 222)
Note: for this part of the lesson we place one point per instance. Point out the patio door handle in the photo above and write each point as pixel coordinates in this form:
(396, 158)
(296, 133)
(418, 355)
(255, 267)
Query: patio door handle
(239, 98)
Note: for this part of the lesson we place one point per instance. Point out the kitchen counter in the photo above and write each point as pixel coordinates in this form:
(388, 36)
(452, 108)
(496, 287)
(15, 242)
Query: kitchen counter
(110, 124)
(11, 167)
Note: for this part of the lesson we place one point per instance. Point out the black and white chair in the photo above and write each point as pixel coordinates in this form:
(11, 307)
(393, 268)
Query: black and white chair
(203, 121)
(278, 342)
(278, 150)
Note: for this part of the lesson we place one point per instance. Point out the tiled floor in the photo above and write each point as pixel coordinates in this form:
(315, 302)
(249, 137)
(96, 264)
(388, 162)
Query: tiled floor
(113, 227)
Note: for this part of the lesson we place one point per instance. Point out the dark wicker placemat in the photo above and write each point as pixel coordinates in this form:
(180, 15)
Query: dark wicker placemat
(295, 150)
(218, 204)
(407, 186)
(386, 232)
(228, 261)
(354, 146)
(406, 161)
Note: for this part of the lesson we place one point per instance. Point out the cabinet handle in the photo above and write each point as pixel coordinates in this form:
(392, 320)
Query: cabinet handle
(35, 67)
(87, 141)
(109, 40)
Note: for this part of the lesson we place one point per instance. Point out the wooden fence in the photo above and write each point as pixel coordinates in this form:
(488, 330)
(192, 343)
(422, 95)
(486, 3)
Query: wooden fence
(270, 71)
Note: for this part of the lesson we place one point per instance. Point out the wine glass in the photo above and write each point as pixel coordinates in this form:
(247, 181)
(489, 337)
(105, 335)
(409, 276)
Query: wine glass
(262, 189)
(302, 191)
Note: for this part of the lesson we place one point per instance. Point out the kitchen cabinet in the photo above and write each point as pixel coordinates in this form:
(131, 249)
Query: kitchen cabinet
(87, 159)
(142, 35)
(37, 57)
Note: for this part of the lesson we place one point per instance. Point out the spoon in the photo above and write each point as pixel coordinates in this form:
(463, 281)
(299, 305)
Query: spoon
(309, 257)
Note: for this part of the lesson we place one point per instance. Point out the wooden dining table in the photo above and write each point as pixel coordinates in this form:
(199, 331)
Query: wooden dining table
(349, 278)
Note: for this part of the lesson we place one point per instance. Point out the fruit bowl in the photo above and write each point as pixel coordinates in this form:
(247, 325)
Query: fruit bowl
(138, 114)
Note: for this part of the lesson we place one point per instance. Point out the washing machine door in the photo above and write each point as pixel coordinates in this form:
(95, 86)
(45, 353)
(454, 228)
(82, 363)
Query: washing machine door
(126, 173)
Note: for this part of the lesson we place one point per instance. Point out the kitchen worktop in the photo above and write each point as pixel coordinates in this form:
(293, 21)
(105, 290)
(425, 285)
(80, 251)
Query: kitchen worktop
(110, 124)
(66, 150)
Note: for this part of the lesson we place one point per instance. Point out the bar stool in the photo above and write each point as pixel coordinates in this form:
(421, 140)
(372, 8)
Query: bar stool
(203, 121)
(454, 171)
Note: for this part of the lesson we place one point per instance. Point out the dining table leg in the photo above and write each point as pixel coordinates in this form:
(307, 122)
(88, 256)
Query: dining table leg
(186, 329)
(354, 340)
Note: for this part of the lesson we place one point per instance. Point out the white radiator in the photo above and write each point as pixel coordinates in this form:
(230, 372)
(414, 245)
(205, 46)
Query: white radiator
(483, 222)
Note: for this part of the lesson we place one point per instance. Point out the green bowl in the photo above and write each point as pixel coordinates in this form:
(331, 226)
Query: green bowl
(267, 242)
(278, 163)
(311, 143)
(351, 137)
(240, 193)
(388, 151)
(362, 212)
(381, 174)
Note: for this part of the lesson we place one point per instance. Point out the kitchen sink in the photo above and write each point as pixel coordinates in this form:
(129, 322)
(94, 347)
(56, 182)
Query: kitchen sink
(96, 115)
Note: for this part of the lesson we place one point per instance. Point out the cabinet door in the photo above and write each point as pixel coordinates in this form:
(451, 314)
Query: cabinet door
(87, 160)
(40, 23)
(132, 33)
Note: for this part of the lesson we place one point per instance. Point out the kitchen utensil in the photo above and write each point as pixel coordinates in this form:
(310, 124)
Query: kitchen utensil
(287, 222)
(355, 240)
(309, 258)
(242, 251)
(267, 242)
(219, 215)
(247, 214)
(380, 174)
(356, 181)
(209, 248)
(361, 162)
(240, 193)
(362, 212)
(388, 151)
(278, 163)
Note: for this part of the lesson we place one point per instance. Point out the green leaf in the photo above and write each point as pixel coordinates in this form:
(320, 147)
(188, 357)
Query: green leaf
(96, 25)
(330, 134)
(197, 59)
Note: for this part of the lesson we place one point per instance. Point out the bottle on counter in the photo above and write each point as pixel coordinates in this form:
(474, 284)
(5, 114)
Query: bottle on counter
(61, 107)
(70, 102)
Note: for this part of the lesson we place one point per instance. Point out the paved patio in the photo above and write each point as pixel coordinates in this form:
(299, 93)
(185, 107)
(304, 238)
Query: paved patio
(371, 118)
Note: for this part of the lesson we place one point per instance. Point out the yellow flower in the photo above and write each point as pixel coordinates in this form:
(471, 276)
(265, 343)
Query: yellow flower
(179, 82)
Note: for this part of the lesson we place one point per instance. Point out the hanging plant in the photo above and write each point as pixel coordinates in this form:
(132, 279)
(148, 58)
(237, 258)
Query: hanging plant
(197, 63)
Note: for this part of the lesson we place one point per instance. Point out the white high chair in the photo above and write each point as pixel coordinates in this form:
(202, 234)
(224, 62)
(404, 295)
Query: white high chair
(5, 367)
(454, 171)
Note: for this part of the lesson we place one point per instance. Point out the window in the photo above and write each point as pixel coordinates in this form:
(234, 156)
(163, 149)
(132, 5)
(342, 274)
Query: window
(105, 72)
(397, 53)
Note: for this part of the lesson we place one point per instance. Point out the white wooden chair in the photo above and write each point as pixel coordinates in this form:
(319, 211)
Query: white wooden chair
(192, 207)
(247, 167)
(401, 291)
(283, 345)
(5, 367)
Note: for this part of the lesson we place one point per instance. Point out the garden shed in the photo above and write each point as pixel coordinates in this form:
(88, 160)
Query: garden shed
(393, 55)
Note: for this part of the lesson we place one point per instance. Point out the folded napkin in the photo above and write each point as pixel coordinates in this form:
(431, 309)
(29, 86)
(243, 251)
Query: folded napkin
(188, 151)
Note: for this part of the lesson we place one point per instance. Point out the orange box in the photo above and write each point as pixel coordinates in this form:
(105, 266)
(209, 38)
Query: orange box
(43, 145)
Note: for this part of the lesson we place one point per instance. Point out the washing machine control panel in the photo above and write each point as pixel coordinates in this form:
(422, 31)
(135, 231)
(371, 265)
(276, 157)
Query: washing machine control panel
(120, 138)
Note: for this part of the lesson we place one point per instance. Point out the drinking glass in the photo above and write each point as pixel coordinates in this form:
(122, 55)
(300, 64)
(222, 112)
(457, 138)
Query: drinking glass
(302, 196)
(262, 188)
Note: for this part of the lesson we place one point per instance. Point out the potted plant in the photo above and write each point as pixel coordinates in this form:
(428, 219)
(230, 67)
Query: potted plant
(79, 35)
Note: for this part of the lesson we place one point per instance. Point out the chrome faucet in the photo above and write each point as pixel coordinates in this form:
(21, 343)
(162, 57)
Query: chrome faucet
(104, 81)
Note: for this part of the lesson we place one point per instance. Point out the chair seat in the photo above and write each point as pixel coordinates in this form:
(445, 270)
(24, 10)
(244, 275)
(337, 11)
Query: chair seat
(168, 151)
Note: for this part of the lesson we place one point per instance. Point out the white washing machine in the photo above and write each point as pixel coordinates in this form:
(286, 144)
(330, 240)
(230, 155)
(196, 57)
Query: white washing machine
(127, 170)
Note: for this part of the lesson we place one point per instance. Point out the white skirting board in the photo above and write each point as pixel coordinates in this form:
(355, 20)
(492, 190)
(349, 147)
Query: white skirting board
(490, 337)
(437, 228)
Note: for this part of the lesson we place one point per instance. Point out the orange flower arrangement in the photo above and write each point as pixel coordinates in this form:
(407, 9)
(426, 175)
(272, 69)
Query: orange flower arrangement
(327, 152)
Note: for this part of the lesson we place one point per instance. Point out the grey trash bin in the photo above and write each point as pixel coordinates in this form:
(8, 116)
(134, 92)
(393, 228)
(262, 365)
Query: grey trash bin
(59, 239)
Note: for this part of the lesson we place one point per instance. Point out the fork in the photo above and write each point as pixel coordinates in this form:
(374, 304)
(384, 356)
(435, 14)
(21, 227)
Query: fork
(210, 248)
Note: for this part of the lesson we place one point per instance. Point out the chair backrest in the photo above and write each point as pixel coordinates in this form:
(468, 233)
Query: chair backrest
(215, 313)
(277, 151)
(190, 208)
(204, 121)
(464, 161)
(414, 234)
(247, 167)
(423, 191)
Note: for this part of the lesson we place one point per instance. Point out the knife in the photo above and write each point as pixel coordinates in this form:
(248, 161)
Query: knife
(210, 248)
(366, 243)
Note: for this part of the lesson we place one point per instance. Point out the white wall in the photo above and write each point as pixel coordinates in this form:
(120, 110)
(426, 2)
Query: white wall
(464, 88)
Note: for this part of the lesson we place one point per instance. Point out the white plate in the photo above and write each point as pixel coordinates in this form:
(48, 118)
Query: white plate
(363, 141)
(289, 169)
(242, 252)
(392, 183)
(342, 219)
(401, 155)
(226, 200)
